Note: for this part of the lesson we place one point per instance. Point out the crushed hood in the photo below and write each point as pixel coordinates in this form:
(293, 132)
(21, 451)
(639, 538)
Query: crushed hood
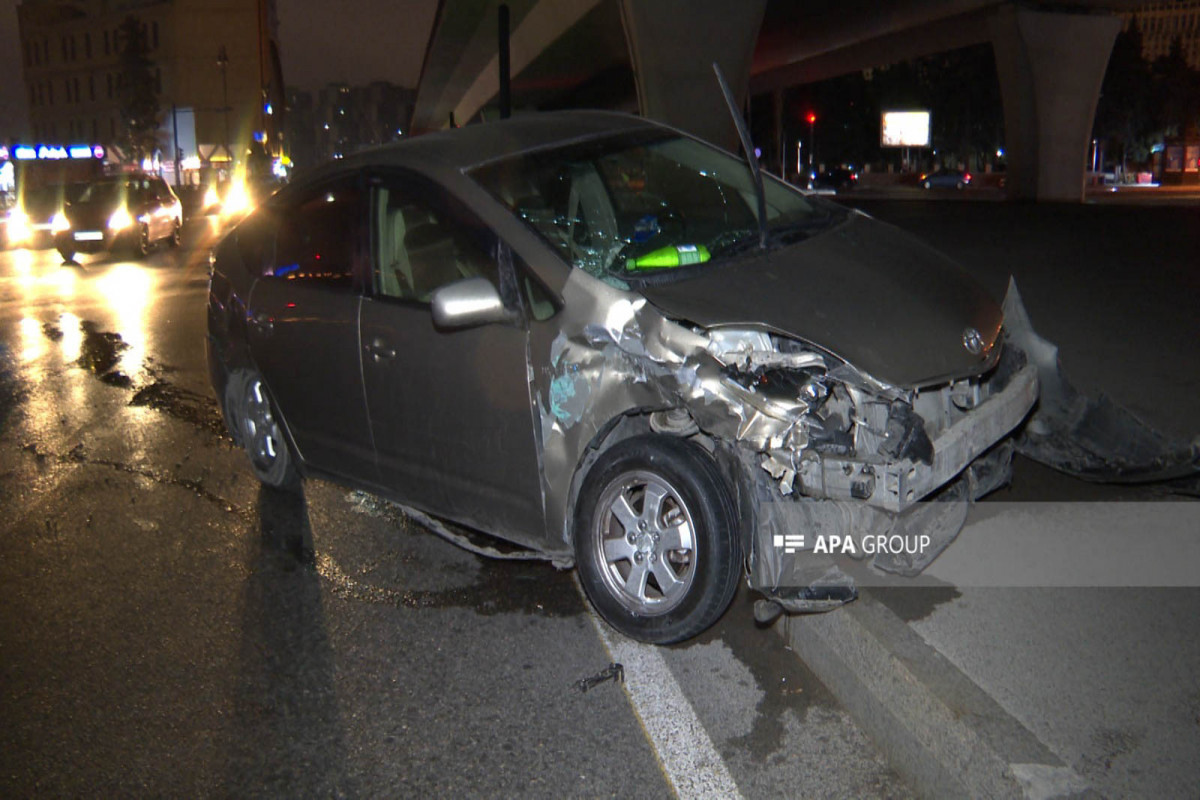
(869, 293)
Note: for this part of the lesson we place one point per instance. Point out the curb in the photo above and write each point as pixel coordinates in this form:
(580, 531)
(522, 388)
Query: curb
(935, 726)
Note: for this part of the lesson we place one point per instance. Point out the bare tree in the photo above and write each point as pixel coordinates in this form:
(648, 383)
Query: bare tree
(138, 91)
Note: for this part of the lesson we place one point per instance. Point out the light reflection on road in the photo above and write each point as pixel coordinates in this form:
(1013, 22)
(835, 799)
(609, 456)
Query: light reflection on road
(127, 288)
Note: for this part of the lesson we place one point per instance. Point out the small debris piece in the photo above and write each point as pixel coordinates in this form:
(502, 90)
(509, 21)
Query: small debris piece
(613, 672)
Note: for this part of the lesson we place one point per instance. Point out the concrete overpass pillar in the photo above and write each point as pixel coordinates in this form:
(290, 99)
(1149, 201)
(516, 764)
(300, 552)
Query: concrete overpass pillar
(1050, 66)
(672, 46)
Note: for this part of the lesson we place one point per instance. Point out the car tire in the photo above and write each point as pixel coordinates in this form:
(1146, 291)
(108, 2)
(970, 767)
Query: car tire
(253, 424)
(639, 498)
(141, 245)
(68, 256)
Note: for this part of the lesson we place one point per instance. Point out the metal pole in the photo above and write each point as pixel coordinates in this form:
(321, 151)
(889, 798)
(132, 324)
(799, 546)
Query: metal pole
(777, 143)
(175, 136)
(223, 62)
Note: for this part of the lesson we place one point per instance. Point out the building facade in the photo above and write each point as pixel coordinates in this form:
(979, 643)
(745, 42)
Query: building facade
(216, 72)
(1161, 23)
(343, 119)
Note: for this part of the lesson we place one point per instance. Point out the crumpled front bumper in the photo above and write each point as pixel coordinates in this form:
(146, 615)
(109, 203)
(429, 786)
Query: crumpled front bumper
(906, 483)
(798, 540)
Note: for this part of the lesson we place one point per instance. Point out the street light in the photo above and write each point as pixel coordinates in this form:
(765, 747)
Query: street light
(223, 63)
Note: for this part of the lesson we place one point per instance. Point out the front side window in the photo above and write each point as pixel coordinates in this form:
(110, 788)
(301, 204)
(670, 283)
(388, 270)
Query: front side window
(420, 246)
(631, 205)
(316, 238)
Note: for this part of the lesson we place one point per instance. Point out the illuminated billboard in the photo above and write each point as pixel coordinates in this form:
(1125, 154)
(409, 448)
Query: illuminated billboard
(905, 129)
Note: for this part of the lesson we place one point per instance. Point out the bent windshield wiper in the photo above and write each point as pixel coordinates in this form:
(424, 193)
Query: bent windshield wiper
(796, 230)
(728, 244)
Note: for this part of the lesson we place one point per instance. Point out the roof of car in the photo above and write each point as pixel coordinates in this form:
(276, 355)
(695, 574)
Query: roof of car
(461, 148)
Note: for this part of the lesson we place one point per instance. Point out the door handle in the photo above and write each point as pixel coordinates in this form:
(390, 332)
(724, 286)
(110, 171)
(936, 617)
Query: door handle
(379, 350)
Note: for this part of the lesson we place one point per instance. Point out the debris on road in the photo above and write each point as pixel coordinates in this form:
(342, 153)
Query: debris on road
(613, 672)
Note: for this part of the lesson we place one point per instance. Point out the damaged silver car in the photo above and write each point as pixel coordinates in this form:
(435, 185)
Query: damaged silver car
(618, 347)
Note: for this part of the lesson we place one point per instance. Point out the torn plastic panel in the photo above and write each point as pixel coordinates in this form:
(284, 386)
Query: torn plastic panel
(1092, 439)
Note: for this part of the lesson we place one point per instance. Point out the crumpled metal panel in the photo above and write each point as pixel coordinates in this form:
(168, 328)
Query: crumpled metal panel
(613, 353)
(1091, 438)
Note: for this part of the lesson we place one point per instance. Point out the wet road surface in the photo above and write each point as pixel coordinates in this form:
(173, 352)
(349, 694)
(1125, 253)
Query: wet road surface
(170, 628)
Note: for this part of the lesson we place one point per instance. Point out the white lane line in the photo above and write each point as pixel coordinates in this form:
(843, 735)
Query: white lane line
(688, 756)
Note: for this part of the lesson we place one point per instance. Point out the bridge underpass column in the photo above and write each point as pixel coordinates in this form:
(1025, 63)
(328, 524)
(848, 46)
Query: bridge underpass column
(1050, 66)
(672, 46)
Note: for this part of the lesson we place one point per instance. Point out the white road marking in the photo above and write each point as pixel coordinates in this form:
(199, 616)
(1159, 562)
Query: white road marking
(1043, 782)
(688, 756)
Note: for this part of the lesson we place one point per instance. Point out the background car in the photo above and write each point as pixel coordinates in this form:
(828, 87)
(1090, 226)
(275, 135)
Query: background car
(839, 179)
(30, 220)
(128, 212)
(946, 179)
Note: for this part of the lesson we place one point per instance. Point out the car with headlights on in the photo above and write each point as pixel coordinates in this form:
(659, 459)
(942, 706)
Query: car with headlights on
(595, 337)
(124, 213)
(30, 220)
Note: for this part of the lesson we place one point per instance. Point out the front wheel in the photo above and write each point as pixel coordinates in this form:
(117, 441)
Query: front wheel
(141, 245)
(656, 539)
(252, 422)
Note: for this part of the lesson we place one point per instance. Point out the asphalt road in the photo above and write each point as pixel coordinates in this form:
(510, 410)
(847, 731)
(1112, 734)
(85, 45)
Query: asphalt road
(169, 628)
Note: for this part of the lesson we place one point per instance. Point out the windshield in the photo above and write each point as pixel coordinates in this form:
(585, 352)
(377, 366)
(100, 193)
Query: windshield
(103, 192)
(629, 207)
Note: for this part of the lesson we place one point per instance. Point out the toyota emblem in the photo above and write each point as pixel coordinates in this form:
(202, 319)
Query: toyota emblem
(973, 341)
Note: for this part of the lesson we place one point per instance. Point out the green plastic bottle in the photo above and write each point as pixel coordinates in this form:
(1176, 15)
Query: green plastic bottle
(677, 255)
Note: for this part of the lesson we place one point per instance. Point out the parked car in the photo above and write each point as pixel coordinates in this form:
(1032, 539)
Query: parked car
(29, 221)
(946, 179)
(839, 179)
(573, 331)
(127, 212)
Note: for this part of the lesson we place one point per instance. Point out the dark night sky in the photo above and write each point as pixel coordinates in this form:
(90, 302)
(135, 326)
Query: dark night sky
(353, 41)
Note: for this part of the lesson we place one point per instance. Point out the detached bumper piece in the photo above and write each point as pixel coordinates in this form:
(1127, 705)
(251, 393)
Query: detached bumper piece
(1091, 439)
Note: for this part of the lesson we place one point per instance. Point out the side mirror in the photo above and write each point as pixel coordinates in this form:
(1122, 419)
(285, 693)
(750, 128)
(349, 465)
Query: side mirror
(468, 303)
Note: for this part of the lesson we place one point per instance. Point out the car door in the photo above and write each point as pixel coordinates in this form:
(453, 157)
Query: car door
(450, 409)
(302, 321)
